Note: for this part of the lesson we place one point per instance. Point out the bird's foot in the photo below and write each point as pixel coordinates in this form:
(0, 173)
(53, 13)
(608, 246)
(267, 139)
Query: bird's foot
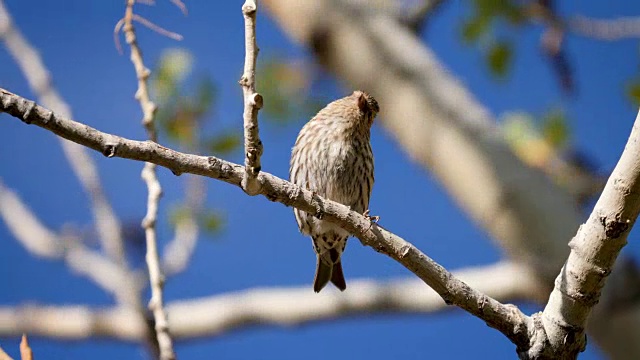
(319, 210)
(373, 219)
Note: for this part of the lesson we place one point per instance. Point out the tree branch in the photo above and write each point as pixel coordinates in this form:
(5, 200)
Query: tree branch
(179, 250)
(156, 278)
(594, 251)
(123, 284)
(506, 318)
(4, 355)
(25, 349)
(294, 306)
(252, 100)
(606, 29)
(107, 223)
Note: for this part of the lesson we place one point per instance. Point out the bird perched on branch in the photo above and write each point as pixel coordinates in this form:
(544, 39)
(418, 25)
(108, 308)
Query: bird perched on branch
(332, 157)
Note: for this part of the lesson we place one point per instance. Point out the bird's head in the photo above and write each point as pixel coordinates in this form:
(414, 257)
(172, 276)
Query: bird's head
(367, 105)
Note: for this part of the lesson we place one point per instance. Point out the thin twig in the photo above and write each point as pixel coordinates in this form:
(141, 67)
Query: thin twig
(157, 28)
(606, 29)
(180, 6)
(508, 319)
(25, 349)
(252, 101)
(149, 175)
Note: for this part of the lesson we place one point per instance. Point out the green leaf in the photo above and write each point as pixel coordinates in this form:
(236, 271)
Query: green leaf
(518, 127)
(205, 96)
(555, 128)
(225, 143)
(212, 221)
(474, 28)
(178, 215)
(285, 83)
(173, 67)
(633, 92)
(499, 58)
(510, 10)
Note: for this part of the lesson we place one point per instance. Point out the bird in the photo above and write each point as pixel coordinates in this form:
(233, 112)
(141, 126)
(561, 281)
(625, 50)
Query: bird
(332, 158)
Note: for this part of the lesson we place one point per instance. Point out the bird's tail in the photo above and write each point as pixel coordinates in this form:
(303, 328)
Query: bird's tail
(323, 275)
(329, 268)
(326, 273)
(337, 276)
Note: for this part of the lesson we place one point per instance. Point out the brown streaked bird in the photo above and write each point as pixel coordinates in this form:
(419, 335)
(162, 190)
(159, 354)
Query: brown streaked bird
(332, 157)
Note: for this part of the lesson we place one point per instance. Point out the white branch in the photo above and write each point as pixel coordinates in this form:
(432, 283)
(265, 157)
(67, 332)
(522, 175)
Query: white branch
(252, 100)
(179, 250)
(606, 29)
(43, 242)
(107, 224)
(216, 315)
(594, 250)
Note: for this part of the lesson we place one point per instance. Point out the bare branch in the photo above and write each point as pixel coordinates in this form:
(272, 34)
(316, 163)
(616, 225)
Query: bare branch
(609, 29)
(41, 241)
(506, 318)
(73, 322)
(25, 349)
(150, 177)
(180, 6)
(4, 355)
(27, 228)
(294, 306)
(594, 250)
(32, 66)
(252, 100)
(157, 28)
(178, 251)
(299, 306)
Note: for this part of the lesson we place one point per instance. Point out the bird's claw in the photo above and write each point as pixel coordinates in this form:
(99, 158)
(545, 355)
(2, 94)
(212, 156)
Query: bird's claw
(319, 211)
(374, 218)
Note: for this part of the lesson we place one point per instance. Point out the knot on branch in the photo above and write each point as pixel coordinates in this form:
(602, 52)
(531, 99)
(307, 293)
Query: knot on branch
(249, 8)
(49, 117)
(251, 186)
(292, 195)
(244, 81)
(538, 343)
(29, 106)
(109, 150)
(214, 162)
(148, 223)
(256, 101)
(541, 346)
(226, 171)
(613, 228)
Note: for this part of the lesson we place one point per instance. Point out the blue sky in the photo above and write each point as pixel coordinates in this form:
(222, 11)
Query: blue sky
(75, 39)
